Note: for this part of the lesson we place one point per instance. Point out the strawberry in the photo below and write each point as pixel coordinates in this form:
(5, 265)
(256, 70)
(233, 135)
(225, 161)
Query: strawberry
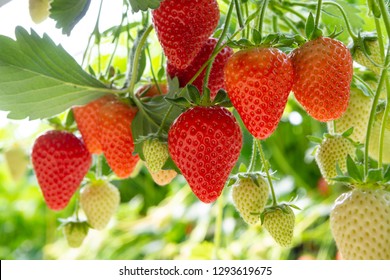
(163, 177)
(323, 74)
(39, 10)
(205, 143)
(99, 200)
(17, 162)
(155, 153)
(333, 150)
(250, 198)
(151, 90)
(183, 26)
(216, 78)
(258, 82)
(373, 149)
(371, 45)
(87, 119)
(116, 137)
(279, 222)
(356, 116)
(60, 161)
(360, 224)
(75, 233)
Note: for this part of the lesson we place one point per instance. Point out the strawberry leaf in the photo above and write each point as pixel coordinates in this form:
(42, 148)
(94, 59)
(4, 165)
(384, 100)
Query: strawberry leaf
(386, 177)
(353, 170)
(374, 175)
(39, 79)
(309, 28)
(67, 13)
(144, 5)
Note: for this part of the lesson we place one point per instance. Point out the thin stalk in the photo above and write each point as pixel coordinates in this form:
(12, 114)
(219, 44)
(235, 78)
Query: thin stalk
(134, 69)
(218, 227)
(239, 14)
(262, 14)
(219, 43)
(275, 28)
(252, 163)
(266, 169)
(318, 14)
(152, 70)
(291, 10)
(98, 166)
(385, 16)
(141, 108)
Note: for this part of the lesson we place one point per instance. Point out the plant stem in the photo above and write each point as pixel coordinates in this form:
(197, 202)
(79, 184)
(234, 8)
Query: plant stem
(291, 10)
(382, 81)
(275, 28)
(218, 227)
(219, 43)
(152, 70)
(291, 25)
(239, 14)
(318, 14)
(252, 163)
(385, 16)
(98, 166)
(133, 69)
(266, 169)
(262, 14)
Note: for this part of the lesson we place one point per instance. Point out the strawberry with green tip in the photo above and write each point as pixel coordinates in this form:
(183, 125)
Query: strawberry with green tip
(75, 232)
(60, 161)
(322, 77)
(356, 116)
(258, 82)
(360, 223)
(99, 200)
(333, 151)
(250, 197)
(155, 153)
(279, 221)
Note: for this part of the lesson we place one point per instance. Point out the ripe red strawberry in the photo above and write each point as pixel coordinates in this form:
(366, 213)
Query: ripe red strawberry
(183, 26)
(323, 74)
(205, 143)
(360, 224)
(87, 119)
(258, 82)
(99, 200)
(116, 137)
(152, 90)
(216, 79)
(60, 161)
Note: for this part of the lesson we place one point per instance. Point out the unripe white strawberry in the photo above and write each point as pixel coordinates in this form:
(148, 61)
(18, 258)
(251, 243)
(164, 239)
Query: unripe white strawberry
(155, 153)
(279, 221)
(356, 116)
(17, 161)
(39, 10)
(333, 150)
(75, 233)
(373, 50)
(249, 198)
(360, 223)
(373, 149)
(99, 200)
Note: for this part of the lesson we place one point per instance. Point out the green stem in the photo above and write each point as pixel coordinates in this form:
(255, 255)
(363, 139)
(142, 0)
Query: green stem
(291, 25)
(239, 14)
(275, 28)
(140, 107)
(218, 227)
(252, 163)
(291, 10)
(372, 94)
(262, 14)
(385, 16)
(98, 166)
(318, 14)
(134, 69)
(371, 120)
(152, 70)
(219, 43)
(266, 169)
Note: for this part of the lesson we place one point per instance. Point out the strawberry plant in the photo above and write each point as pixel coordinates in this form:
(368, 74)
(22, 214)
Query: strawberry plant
(174, 94)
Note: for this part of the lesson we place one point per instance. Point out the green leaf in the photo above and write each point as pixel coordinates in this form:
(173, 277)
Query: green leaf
(386, 177)
(256, 36)
(67, 13)
(144, 5)
(348, 132)
(309, 25)
(375, 175)
(39, 79)
(314, 139)
(353, 170)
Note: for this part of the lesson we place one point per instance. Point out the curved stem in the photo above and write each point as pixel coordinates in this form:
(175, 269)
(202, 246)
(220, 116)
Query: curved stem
(262, 14)
(137, 55)
(266, 169)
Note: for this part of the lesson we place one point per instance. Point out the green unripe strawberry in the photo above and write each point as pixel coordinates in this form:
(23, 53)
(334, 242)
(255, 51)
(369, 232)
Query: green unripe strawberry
(360, 223)
(155, 153)
(17, 161)
(250, 198)
(370, 45)
(75, 233)
(333, 151)
(99, 200)
(356, 116)
(279, 221)
(373, 149)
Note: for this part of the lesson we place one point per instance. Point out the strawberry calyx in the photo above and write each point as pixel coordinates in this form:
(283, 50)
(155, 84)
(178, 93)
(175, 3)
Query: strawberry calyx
(284, 207)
